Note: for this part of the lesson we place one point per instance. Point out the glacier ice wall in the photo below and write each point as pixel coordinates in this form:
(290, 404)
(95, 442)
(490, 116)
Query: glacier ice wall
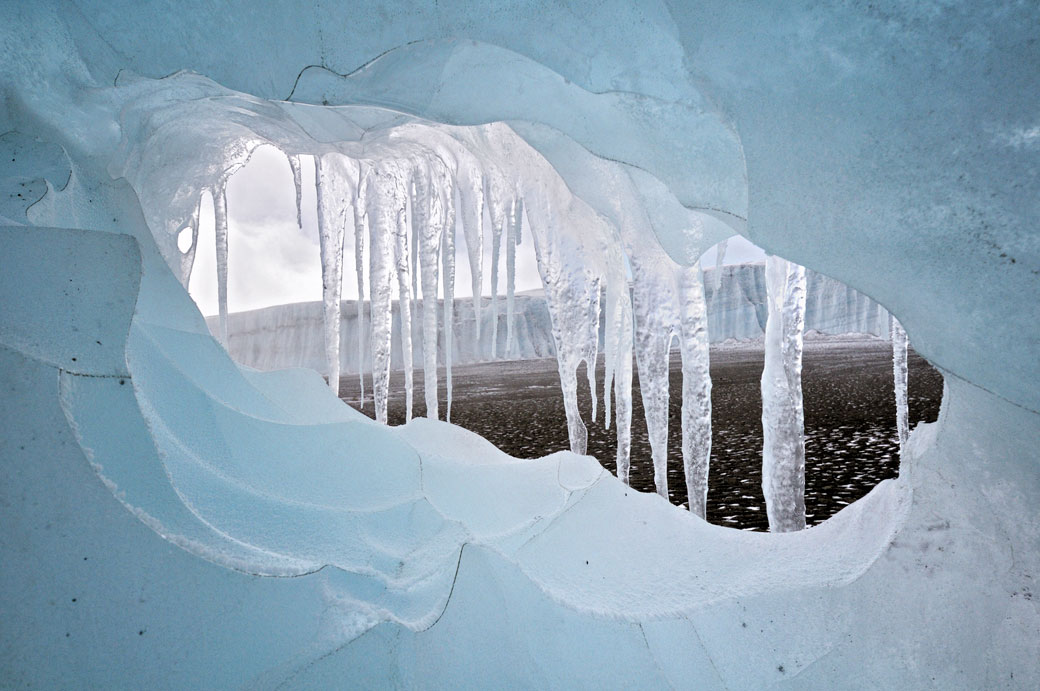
(156, 498)
(290, 335)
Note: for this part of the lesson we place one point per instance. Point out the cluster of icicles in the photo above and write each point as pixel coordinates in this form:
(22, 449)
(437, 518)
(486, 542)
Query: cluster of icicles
(408, 204)
(404, 196)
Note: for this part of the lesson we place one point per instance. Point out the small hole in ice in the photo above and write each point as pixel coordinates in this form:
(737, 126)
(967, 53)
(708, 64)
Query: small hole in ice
(184, 240)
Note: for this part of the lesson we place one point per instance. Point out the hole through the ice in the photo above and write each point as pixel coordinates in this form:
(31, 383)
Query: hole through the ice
(514, 398)
(413, 209)
(184, 240)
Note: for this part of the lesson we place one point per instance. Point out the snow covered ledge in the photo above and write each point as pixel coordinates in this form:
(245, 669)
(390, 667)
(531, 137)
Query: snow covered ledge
(927, 581)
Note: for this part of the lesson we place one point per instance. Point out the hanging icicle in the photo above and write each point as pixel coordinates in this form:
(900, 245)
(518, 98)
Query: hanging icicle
(573, 303)
(720, 260)
(447, 189)
(783, 450)
(471, 213)
(330, 242)
(426, 224)
(591, 350)
(360, 231)
(498, 203)
(385, 206)
(611, 338)
(900, 374)
(623, 390)
(513, 222)
(402, 236)
(297, 176)
(413, 265)
(655, 319)
(220, 227)
(696, 389)
(566, 298)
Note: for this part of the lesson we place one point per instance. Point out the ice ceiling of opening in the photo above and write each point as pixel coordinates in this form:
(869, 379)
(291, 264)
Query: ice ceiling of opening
(533, 148)
(684, 154)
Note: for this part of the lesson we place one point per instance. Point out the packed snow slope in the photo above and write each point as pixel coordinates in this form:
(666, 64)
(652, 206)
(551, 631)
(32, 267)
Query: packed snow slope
(291, 335)
(171, 519)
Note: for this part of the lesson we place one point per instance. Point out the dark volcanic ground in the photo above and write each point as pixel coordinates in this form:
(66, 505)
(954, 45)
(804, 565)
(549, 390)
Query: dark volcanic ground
(850, 429)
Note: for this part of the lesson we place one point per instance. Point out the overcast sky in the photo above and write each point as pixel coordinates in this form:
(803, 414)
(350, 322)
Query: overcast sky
(272, 262)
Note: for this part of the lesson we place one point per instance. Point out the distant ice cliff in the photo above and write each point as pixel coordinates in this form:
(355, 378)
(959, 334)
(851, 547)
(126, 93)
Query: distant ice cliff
(291, 335)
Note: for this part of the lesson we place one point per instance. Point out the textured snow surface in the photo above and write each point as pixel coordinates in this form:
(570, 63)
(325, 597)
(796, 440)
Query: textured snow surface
(171, 518)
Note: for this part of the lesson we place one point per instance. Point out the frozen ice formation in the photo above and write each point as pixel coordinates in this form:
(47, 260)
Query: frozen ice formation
(220, 222)
(173, 519)
(899, 373)
(696, 393)
(783, 417)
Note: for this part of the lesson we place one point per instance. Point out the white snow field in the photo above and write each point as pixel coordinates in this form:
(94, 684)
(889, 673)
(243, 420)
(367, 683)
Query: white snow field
(170, 519)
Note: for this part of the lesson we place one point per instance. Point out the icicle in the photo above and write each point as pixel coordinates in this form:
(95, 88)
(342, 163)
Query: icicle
(592, 344)
(471, 212)
(611, 337)
(513, 222)
(414, 265)
(576, 430)
(402, 233)
(899, 370)
(427, 226)
(655, 320)
(297, 176)
(360, 229)
(696, 390)
(220, 225)
(330, 240)
(652, 350)
(574, 312)
(496, 241)
(623, 391)
(448, 256)
(384, 206)
(568, 313)
(497, 205)
(519, 221)
(720, 258)
(618, 309)
(783, 450)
